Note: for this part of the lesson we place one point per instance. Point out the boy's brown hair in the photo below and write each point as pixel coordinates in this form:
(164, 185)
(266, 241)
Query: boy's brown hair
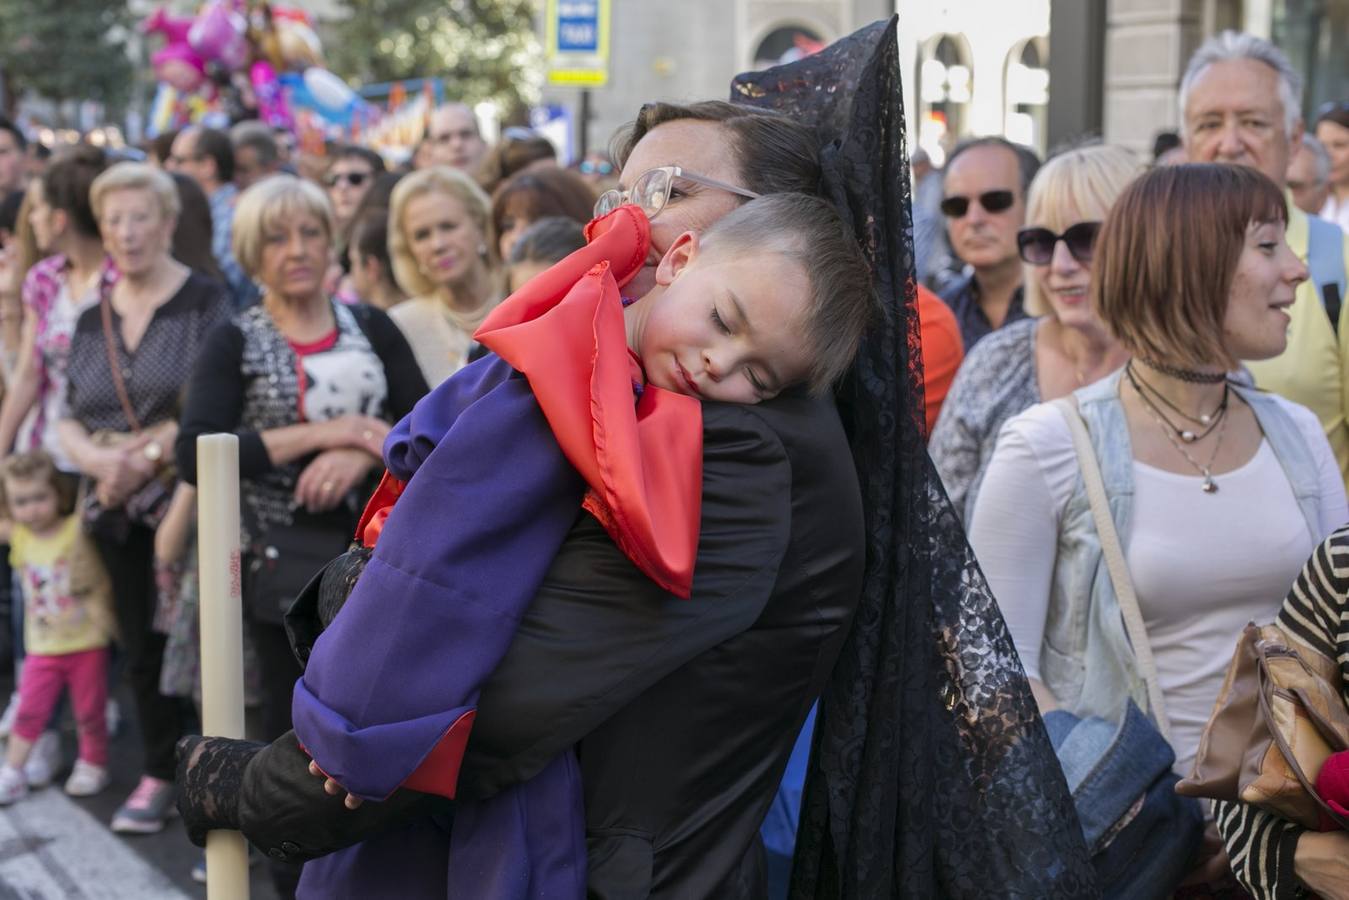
(1167, 253)
(807, 231)
(36, 465)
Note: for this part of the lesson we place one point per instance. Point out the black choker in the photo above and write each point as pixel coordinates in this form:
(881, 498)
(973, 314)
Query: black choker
(1189, 375)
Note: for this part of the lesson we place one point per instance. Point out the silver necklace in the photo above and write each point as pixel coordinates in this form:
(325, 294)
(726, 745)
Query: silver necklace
(1208, 486)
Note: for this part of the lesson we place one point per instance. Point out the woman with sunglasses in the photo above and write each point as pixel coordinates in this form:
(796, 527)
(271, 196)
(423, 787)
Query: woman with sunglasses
(1064, 347)
(1218, 492)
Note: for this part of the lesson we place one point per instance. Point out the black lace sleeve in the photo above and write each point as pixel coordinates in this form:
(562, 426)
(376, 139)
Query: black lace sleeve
(932, 773)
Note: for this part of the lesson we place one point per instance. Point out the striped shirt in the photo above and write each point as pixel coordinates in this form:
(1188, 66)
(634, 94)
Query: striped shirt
(1260, 844)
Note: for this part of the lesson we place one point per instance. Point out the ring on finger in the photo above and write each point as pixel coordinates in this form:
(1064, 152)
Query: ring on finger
(327, 487)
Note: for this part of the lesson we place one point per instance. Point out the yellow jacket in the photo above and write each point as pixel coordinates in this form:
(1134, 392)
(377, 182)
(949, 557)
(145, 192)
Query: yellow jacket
(1314, 369)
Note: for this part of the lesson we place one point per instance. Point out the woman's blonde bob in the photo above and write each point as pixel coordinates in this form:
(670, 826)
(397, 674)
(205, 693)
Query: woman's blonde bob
(1166, 256)
(269, 203)
(437, 179)
(1077, 185)
(135, 176)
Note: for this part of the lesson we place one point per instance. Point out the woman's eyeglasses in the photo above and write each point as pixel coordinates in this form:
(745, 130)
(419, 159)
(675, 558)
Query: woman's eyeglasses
(355, 179)
(956, 206)
(1036, 245)
(651, 191)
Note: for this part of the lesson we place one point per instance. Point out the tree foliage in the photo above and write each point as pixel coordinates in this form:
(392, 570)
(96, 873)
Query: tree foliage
(483, 49)
(66, 50)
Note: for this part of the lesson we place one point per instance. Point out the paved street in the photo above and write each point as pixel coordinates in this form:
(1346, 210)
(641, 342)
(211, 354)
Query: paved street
(53, 847)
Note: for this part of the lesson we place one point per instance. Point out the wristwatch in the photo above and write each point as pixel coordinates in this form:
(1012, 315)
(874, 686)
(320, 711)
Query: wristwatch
(154, 451)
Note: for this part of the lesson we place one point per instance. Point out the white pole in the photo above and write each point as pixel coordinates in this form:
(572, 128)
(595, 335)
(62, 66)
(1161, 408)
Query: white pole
(222, 654)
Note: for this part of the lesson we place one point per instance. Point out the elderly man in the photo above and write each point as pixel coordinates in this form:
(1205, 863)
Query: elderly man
(453, 138)
(206, 156)
(1239, 103)
(1309, 176)
(985, 205)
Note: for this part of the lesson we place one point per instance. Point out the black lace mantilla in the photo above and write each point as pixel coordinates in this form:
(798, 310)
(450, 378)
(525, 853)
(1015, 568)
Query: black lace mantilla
(932, 774)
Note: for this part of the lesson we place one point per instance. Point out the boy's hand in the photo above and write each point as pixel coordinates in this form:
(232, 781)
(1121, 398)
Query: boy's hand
(332, 787)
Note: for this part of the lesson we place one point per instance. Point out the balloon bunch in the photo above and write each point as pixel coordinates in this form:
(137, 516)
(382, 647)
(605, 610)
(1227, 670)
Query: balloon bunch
(238, 59)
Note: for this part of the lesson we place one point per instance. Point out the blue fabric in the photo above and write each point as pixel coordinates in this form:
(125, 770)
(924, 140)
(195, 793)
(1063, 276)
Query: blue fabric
(488, 502)
(779, 827)
(1138, 850)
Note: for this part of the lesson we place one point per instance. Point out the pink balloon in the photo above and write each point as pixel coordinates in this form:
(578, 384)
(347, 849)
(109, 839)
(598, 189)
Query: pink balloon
(218, 35)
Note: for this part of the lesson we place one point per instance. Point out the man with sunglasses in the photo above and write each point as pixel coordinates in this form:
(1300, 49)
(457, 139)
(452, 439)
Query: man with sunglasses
(350, 175)
(985, 204)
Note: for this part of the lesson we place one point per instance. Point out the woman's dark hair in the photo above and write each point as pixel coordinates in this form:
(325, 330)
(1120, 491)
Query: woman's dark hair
(548, 241)
(370, 238)
(774, 153)
(193, 234)
(9, 210)
(66, 184)
(543, 193)
(379, 194)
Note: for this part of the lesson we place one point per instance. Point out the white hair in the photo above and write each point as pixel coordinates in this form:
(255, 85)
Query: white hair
(1234, 45)
(1319, 154)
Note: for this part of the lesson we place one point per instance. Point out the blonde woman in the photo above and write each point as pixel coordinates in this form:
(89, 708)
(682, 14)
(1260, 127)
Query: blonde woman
(119, 430)
(1064, 347)
(440, 239)
(310, 386)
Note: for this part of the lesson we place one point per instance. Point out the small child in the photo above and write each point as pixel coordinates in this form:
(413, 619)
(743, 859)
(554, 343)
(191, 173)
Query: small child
(67, 623)
(773, 296)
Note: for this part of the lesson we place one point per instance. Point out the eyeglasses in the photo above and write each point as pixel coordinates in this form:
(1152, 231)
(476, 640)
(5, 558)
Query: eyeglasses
(956, 206)
(355, 179)
(651, 191)
(1036, 245)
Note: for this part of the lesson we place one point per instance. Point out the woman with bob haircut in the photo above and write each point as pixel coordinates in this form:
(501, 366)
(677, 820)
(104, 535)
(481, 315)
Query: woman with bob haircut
(1065, 346)
(1218, 492)
(310, 386)
(130, 354)
(444, 258)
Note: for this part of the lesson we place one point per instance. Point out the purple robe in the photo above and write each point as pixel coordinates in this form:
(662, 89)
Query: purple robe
(489, 500)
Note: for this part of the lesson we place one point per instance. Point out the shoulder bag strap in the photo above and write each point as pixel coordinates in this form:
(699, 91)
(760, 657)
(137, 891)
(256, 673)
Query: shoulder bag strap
(105, 307)
(1114, 558)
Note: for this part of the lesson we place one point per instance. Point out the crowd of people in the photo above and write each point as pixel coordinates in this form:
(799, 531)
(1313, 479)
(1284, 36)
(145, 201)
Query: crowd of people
(1186, 309)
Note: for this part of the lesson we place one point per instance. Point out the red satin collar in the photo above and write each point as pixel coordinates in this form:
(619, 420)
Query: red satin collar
(564, 331)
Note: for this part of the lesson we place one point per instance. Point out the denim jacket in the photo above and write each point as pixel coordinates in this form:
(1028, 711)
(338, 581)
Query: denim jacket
(1085, 658)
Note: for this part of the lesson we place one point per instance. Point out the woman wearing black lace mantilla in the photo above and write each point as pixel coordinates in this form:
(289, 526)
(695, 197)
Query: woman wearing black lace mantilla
(812, 576)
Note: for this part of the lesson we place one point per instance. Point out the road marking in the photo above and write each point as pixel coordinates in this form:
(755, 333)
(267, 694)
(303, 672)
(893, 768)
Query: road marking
(51, 849)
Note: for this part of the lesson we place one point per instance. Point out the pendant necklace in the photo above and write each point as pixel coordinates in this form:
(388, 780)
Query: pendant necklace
(1208, 486)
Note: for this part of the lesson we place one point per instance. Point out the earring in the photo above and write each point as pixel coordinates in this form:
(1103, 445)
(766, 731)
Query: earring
(482, 250)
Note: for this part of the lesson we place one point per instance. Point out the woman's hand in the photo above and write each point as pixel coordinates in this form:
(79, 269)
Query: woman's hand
(330, 477)
(1322, 863)
(332, 788)
(121, 471)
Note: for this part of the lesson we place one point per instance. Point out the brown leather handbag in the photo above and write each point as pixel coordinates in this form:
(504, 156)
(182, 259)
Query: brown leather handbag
(1280, 714)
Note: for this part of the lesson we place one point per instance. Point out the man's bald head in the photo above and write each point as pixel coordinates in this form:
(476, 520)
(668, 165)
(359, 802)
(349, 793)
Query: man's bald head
(454, 139)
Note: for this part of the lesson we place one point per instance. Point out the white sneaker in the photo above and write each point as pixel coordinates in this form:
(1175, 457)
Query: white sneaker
(44, 760)
(87, 779)
(13, 786)
(9, 715)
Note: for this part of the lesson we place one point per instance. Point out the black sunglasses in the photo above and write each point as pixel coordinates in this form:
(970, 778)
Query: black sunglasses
(992, 201)
(355, 179)
(1036, 245)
